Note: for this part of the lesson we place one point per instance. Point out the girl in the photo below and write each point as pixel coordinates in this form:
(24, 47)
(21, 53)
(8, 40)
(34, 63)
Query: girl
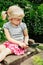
(15, 31)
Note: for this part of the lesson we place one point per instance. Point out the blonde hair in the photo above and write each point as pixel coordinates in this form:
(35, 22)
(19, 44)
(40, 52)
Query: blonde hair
(14, 12)
(3, 15)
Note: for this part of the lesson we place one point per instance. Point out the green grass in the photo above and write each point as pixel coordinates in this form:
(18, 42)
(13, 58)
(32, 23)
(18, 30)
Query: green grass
(37, 60)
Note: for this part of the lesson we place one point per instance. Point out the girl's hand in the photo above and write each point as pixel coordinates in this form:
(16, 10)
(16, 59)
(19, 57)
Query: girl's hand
(31, 41)
(23, 45)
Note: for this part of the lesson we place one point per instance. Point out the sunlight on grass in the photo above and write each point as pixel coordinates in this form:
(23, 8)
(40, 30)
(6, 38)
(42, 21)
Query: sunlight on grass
(37, 60)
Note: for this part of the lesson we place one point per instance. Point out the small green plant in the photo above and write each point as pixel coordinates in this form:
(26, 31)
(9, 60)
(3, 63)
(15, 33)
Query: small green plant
(37, 60)
(40, 47)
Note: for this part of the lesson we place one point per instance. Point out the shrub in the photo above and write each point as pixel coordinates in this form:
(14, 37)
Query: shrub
(2, 35)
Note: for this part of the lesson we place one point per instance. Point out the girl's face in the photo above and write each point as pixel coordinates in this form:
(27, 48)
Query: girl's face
(15, 21)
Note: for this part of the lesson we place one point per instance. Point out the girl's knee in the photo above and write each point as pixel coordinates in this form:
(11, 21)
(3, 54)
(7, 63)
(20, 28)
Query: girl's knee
(7, 51)
(2, 47)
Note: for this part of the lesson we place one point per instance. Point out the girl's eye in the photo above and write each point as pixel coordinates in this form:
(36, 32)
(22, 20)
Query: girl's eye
(11, 19)
(15, 19)
(18, 19)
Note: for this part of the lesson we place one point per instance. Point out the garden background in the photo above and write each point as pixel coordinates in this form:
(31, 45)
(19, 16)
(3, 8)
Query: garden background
(33, 17)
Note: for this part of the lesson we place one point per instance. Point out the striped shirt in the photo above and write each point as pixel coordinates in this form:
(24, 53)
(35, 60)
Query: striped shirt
(16, 32)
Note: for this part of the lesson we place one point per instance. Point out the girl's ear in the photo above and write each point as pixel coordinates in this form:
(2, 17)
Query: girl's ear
(4, 15)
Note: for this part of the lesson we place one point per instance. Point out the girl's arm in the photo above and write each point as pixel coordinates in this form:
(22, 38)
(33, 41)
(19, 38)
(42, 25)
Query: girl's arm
(25, 32)
(13, 40)
(27, 37)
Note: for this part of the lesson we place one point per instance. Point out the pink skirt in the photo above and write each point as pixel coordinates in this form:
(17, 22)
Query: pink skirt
(15, 49)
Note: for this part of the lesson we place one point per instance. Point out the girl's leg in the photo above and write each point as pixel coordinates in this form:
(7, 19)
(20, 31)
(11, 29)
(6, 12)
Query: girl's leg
(4, 53)
(2, 47)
